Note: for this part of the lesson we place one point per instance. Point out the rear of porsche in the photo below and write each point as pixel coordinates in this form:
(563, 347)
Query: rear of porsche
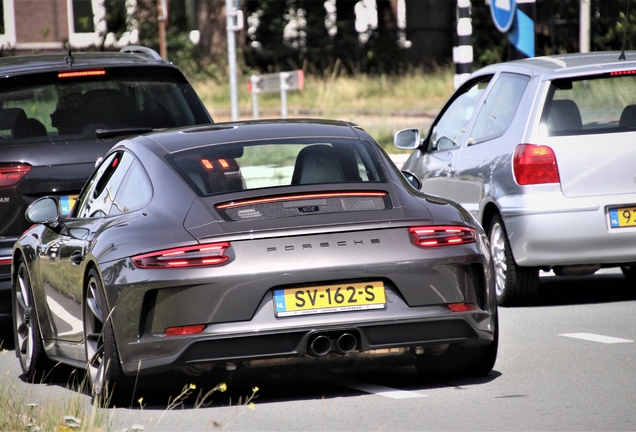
(306, 275)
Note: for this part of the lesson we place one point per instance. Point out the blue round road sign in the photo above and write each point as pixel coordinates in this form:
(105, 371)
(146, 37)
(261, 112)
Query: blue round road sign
(503, 13)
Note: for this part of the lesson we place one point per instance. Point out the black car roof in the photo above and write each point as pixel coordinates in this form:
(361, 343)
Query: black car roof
(28, 64)
(181, 139)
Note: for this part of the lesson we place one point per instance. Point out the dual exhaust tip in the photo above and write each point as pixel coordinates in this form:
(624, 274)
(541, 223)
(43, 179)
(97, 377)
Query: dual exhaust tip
(339, 343)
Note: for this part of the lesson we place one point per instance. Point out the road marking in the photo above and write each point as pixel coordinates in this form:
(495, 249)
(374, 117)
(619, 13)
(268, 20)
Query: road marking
(596, 338)
(369, 388)
(61, 313)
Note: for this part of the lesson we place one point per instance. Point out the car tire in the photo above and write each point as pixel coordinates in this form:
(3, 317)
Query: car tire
(629, 271)
(109, 385)
(460, 361)
(29, 347)
(513, 284)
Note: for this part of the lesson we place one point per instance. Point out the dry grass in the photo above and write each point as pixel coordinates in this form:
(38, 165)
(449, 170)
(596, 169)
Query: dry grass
(380, 104)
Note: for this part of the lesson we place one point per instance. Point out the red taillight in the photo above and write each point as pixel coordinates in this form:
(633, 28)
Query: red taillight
(5, 261)
(433, 236)
(184, 330)
(191, 256)
(12, 174)
(462, 307)
(535, 164)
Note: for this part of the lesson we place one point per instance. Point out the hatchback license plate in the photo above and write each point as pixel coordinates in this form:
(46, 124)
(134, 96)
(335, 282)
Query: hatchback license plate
(329, 298)
(622, 217)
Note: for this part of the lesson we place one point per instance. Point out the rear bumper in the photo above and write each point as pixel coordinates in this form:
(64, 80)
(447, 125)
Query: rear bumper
(547, 230)
(377, 340)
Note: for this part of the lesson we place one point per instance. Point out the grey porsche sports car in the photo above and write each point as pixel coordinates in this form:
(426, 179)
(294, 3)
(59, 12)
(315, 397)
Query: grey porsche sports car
(254, 244)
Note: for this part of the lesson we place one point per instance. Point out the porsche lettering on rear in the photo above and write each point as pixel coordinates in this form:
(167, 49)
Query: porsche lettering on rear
(340, 243)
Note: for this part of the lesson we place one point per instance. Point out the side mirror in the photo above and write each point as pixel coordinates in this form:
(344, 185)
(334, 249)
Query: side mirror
(43, 211)
(412, 179)
(407, 139)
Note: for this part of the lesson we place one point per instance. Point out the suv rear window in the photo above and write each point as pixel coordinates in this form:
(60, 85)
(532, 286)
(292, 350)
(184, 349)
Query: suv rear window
(592, 104)
(242, 166)
(52, 107)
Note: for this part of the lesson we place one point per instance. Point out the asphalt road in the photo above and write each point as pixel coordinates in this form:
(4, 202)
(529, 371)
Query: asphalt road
(567, 362)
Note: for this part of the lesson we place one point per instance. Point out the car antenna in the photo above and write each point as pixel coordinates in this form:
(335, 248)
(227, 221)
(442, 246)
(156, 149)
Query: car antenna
(69, 59)
(622, 56)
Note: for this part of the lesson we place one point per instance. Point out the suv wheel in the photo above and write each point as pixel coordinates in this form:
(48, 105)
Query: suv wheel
(513, 283)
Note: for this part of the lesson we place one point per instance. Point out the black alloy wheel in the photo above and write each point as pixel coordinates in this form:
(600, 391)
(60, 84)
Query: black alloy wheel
(29, 347)
(109, 385)
(459, 360)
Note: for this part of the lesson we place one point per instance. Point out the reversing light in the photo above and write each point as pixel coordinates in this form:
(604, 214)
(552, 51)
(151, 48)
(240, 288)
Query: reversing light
(462, 307)
(184, 330)
(192, 256)
(535, 164)
(433, 236)
(11, 174)
(84, 73)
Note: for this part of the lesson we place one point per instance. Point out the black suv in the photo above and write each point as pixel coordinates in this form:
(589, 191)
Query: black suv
(60, 113)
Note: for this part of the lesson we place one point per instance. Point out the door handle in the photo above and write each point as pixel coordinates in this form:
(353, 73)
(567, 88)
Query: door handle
(76, 257)
(449, 170)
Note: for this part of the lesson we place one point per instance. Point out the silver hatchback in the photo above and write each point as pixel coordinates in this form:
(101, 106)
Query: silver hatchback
(542, 152)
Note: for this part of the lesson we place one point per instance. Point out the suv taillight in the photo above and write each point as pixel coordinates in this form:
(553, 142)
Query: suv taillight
(535, 164)
(11, 174)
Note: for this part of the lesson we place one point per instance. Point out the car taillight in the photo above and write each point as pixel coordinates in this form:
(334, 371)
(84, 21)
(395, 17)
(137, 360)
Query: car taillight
(535, 164)
(5, 261)
(11, 174)
(191, 256)
(433, 236)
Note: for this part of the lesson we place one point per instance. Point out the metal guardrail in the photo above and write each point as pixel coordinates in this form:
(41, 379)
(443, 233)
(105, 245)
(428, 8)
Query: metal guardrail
(270, 83)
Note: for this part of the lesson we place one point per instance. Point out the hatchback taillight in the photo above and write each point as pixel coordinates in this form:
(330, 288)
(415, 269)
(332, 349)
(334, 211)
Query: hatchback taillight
(535, 164)
(433, 236)
(12, 173)
(192, 256)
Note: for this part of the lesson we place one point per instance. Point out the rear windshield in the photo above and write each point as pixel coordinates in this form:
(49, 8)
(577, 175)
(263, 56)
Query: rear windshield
(46, 107)
(595, 104)
(242, 166)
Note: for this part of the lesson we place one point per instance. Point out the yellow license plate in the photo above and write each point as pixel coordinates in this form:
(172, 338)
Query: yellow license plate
(329, 298)
(622, 217)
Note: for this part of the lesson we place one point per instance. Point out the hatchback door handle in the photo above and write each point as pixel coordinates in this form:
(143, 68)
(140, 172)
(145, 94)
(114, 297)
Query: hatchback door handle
(76, 257)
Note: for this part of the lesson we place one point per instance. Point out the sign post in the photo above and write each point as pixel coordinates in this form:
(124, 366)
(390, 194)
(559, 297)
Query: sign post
(270, 83)
(516, 18)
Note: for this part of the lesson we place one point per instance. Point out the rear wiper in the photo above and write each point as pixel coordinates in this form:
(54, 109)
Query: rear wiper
(109, 133)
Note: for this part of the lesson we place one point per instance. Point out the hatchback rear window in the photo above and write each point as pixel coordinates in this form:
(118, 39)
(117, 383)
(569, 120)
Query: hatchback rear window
(242, 166)
(63, 106)
(593, 104)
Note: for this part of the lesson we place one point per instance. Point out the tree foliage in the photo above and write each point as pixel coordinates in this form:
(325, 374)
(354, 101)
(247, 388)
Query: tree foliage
(291, 34)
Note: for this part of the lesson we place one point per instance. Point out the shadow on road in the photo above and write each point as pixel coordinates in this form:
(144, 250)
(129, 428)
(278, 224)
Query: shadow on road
(599, 288)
